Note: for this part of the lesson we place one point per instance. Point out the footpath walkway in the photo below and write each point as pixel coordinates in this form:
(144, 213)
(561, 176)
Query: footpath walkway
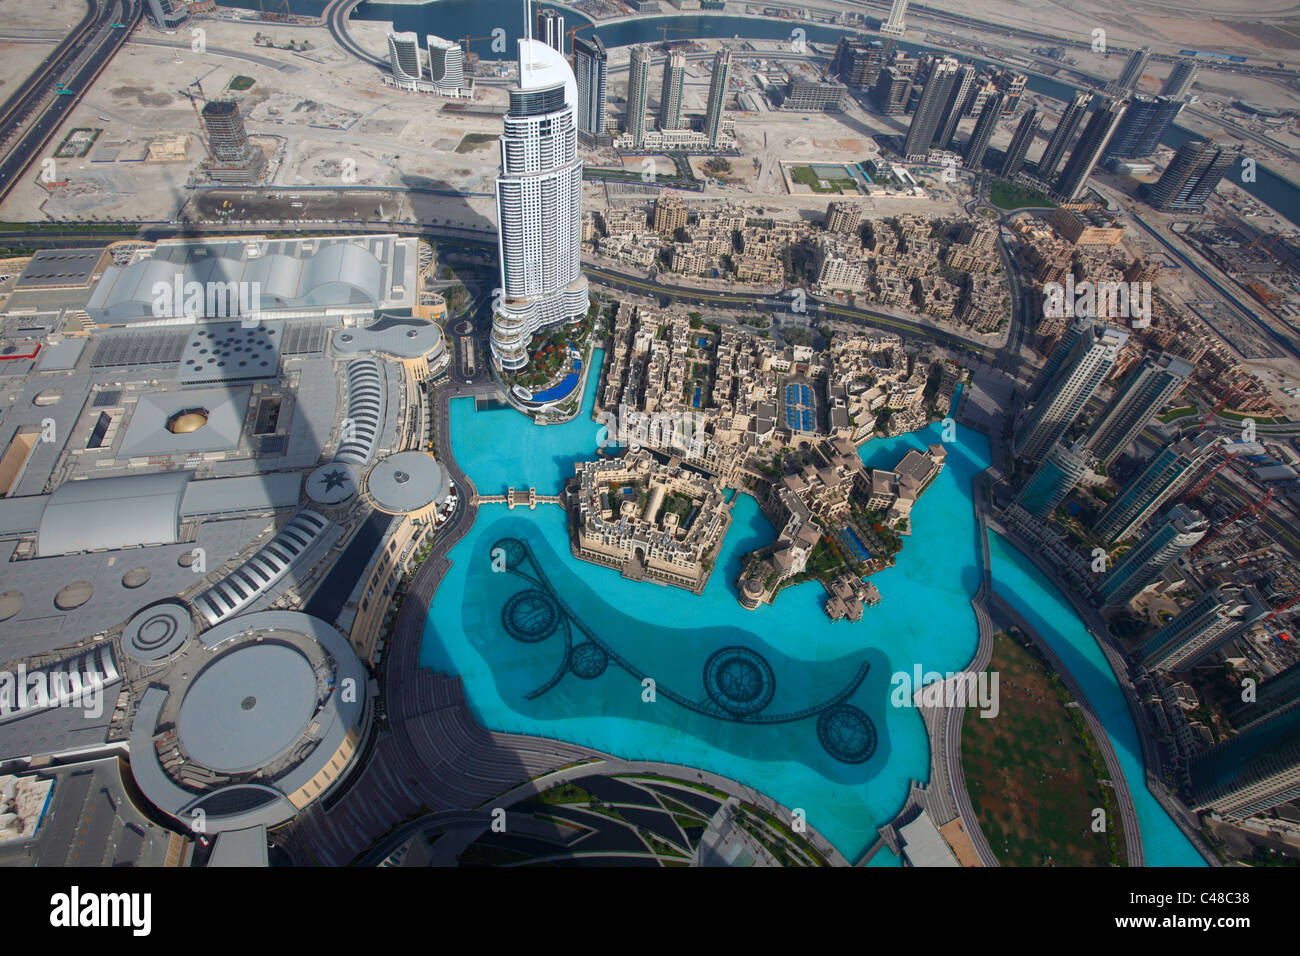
(469, 825)
(946, 797)
(429, 753)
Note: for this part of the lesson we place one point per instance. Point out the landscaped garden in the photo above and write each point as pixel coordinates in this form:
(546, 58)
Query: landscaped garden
(1007, 195)
(807, 176)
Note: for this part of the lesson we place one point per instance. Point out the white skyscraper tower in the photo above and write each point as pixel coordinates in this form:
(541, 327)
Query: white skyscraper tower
(894, 26)
(404, 56)
(446, 63)
(670, 99)
(539, 206)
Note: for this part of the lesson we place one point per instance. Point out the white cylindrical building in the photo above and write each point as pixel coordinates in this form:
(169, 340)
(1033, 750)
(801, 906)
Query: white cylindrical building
(539, 206)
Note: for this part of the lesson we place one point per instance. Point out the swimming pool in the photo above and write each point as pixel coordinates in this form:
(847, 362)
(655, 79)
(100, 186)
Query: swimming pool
(855, 544)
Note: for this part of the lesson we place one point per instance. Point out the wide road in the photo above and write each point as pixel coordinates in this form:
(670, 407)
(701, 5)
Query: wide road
(76, 66)
(769, 301)
(27, 95)
(335, 15)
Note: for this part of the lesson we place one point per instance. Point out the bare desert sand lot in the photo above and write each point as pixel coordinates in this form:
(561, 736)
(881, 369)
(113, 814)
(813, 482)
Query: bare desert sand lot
(1226, 26)
(324, 118)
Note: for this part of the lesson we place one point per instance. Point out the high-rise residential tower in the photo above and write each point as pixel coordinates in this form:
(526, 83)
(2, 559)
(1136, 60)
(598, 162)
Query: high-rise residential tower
(1059, 144)
(404, 56)
(1013, 85)
(718, 86)
(891, 91)
(1020, 143)
(591, 70)
(1090, 147)
(550, 28)
(638, 92)
(1137, 62)
(1250, 772)
(1209, 622)
(446, 63)
(961, 91)
(929, 112)
(1089, 357)
(1149, 558)
(670, 94)
(984, 129)
(539, 206)
(1191, 176)
(1054, 479)
(1162, 478)
(232, 158)
(1145, 123)
(1155, 382)
(1180, 80)
(894, 26)
(1279, 692)
(858, 61)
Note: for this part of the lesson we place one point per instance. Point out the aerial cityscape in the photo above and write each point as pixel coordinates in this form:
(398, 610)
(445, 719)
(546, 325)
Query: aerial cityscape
(649, 433)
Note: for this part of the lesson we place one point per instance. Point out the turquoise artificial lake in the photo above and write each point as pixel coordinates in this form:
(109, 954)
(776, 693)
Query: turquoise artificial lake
(512, 683)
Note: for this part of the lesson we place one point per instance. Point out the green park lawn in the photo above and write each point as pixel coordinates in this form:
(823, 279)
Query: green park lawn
(1007, 195)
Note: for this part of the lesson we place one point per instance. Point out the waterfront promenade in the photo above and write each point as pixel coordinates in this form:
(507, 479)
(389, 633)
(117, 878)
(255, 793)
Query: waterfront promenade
(464, 827)
(945, 797)
(428, 753)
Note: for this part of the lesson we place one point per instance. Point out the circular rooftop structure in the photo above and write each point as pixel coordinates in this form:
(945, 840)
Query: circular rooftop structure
(156, 633)
(408, 481)
(11, 602)
(332, 483)
(397, 336)
(247, 707)
(187, 421)
(277, 693)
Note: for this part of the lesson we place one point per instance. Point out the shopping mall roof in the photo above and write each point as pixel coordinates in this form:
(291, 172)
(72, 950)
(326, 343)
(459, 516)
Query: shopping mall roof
(301, 274)
(399, 336)
(55, 268)
(109, 513)
(247, 708)
(407, 481)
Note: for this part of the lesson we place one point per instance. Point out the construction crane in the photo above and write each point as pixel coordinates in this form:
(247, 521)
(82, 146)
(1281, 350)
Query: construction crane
(1269, 240)
(196, 84)
(282, 13)
(466, 41)
(1285, 606)
(1200, 485)
(576, 30)
(1232, 393)
(665, 30)
(1239, 513)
